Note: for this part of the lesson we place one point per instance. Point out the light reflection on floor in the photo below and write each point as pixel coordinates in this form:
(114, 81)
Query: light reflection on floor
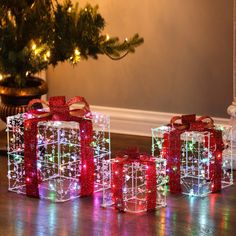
(183, 215)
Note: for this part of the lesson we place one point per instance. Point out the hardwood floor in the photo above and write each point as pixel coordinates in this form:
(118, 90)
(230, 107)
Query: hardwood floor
(19, 215)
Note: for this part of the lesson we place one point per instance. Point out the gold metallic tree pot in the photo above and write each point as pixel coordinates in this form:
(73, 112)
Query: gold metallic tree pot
(15, 100)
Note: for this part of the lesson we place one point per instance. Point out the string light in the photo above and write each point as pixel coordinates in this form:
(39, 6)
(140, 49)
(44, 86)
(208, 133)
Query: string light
(76, 57)
(34, 47)
(107, 37)
(47, 55)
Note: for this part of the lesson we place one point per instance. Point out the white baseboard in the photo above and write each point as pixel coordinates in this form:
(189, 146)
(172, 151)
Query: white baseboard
(135, 122)
(139, 122)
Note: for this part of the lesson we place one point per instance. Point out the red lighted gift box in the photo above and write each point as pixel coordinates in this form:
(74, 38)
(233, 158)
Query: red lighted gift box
(172, 146)
(137, 182)
(59, 111)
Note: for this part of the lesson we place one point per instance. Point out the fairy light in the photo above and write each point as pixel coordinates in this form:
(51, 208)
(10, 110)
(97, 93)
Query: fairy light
(1, 77)
(47, 55)
(107, 37)
(76, 57)
(77, 52)
(33, 47)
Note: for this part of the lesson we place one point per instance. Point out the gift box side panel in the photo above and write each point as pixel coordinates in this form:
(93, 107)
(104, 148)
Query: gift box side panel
(15, 152)
(227, 155)
(102, 147)
(58, 160)
(195, 160)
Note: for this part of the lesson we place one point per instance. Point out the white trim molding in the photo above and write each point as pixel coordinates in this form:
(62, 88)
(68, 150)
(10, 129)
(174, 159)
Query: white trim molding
(139, 122)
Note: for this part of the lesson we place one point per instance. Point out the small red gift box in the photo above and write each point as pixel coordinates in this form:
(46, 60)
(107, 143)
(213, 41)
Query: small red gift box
(137, 182)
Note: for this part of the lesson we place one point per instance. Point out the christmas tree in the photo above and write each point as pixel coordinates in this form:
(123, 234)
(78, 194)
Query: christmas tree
(37, 33)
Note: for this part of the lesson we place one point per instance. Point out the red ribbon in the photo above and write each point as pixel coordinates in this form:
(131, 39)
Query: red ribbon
(190, 123)
(59, 110)
(118, 178)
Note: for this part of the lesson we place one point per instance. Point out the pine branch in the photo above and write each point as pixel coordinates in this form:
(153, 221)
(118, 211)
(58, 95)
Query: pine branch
(37, 33)
(116, 50)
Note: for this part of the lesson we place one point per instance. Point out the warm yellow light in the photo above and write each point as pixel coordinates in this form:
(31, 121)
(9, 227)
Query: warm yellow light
(76, 57)
(126, 39)
(107, 37)
(77, 52)
(48, 54)
(69, 9)
(33, 46)
(1, 77)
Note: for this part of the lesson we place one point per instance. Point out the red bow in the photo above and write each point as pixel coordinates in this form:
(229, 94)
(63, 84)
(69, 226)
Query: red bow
(59, 109)
(132, 154)
(190, 122)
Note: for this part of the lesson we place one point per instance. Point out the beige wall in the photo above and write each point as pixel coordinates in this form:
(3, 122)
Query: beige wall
(184, 66)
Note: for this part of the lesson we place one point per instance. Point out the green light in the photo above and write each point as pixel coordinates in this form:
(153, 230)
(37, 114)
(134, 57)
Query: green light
(51, 158)
(93, 144)
(190, 146)
(174, 168)
(18, 158)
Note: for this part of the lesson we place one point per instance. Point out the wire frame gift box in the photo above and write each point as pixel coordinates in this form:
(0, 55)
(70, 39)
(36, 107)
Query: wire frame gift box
(194, 163)
(61, 170)
(137, 185)
(194, 156)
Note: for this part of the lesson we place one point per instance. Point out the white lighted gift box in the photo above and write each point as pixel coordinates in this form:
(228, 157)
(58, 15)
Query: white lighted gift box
(196, 159)
(58, 163)
(137, 185)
